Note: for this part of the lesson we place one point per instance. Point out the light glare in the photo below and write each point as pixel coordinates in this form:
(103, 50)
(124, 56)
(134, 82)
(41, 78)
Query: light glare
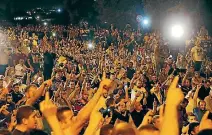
(177, 31)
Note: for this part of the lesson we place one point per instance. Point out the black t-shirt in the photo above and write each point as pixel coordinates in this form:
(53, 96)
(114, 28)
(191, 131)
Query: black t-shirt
(138, 117)
(17, 132)
(49, 58)
(116, 115)
(203, 92)
(130, 73)
(16, 96)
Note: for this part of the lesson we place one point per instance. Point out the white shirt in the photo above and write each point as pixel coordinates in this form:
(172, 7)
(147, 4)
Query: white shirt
(20, 70)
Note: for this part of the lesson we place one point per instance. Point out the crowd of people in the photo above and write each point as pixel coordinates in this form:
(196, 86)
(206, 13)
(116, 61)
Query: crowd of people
(69, 80)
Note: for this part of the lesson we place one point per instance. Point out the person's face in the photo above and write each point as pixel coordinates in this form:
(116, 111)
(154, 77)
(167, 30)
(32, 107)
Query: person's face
(130, 64)
(9, 99)
(196, 74)
(184, 105)
(31, 121)
(202, 106)
(207, 85)
(112, 77)
(31, 92)
(40, 80)
(138, 106)
(187, 83)
(192, 119)
(154, 78)
(157, 123)
(122, 107)
(21, 62)
(72, 85)
(16, 88)
(68, 118)
(88, 86)
(85, 96)
(139, 84)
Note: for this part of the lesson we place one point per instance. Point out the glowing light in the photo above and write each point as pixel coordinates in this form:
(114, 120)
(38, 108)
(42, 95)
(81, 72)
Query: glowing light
(146, 21)
(59, 10)
(177, 31)
(54, 34)
(90, 46)
(45, 23)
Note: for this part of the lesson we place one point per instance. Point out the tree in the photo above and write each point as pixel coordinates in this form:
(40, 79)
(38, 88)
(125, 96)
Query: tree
(118, 12)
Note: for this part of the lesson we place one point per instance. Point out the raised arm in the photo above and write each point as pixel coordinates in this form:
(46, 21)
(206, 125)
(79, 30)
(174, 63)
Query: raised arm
(85, 112)
(95, 118)
(38, 93)
(196, 95)
(174, 98)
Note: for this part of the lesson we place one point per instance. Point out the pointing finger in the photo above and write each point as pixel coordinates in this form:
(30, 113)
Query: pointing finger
(47, 96)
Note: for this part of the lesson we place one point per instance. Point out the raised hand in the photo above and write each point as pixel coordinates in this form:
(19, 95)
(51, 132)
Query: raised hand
(205, 122)
(47, 107)
(175, 94)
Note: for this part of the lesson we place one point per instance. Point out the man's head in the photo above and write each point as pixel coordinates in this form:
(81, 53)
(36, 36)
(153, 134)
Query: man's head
(184, 103)
(192, 118)
(207, 84)
(138, 106)
(122, 107)
(106, 129)
(156, 121)
(148, 130)
(16, 87)
(202, 105)
(65, 116)
(9, 98)
(30, 90)
(123, 129)
(40, 80)
(26, 116)
(193, 128)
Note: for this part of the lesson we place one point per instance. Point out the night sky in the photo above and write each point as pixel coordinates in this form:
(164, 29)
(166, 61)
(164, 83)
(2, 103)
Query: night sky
(27, 4)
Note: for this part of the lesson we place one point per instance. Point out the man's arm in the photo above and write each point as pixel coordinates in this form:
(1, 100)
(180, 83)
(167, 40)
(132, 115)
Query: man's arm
(38, 93)
(196, 95)
(95, 118)
(85, 112)
(174, 98)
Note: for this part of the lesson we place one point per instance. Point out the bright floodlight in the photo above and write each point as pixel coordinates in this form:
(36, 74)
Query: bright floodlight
(177, 31)
(146, 22)
(45, 23)
(54, 34)
(90, 45)
(59, 10)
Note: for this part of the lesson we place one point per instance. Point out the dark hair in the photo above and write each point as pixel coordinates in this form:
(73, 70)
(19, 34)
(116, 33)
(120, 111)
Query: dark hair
(23, 113)
(105, 130)
(37, 132)
(16, 84)
(148, 127)
(192, 126)
(109, 102)
(185, 100)
(60, 112)
(205, 132)
(201, 101)
(4, 132)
